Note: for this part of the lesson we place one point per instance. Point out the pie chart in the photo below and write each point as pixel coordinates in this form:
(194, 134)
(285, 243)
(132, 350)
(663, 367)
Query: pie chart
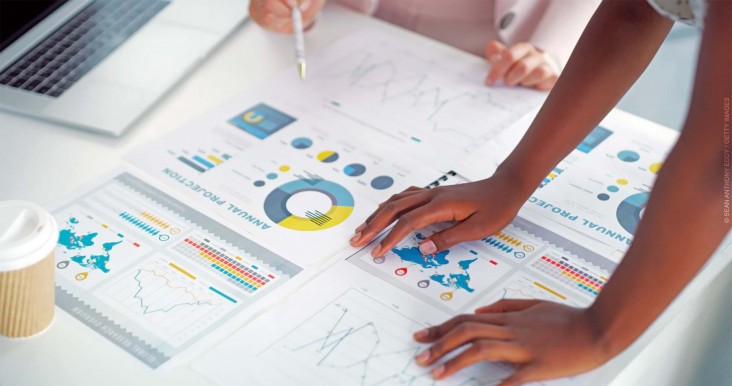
(354, 170)
(382, 182)
(301, 143)
(309, 217)
(327, 156)
(629, 211)
(628, 156)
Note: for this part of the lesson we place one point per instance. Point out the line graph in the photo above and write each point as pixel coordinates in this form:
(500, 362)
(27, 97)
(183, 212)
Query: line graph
(169, 300)
(402, 90)
(156, 305)
(355, 340)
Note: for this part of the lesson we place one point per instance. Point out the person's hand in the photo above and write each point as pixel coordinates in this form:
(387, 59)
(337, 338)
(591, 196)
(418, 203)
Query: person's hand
(544, 340)
(521, 64)
(479, 209)
(275, 15)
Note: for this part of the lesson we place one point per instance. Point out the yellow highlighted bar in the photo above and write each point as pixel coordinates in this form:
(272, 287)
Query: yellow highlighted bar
(105, 226)
(215, 159)
(551, 291)
(181, 270)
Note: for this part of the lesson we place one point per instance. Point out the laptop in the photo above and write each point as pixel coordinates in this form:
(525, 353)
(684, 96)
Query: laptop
(100, 64)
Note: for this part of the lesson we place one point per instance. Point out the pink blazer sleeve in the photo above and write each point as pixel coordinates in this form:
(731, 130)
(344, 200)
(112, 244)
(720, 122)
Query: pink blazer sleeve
(561, 25)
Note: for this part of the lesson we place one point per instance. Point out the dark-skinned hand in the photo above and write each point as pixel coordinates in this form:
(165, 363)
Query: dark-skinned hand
(537, 337)
(479, 209)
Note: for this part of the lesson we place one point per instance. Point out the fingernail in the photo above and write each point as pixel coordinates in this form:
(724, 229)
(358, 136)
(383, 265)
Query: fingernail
(377, 251)
(428, 247)
(360, 227)
(421, 334)
(355, 238)
(436, 373)
(423, 357)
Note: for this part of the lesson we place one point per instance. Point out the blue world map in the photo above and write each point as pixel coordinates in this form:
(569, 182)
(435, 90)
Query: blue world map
(457, 280)
(80, 243)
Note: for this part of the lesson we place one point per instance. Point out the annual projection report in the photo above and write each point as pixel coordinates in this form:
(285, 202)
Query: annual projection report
(307, 182)
(602, 187)
(154, 276)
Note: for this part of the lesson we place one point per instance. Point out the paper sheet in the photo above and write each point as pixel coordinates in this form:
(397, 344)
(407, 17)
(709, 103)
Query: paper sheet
(602, 187)
(155, 276)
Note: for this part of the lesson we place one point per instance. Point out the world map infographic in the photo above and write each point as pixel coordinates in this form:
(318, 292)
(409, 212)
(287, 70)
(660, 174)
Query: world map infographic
(451, 279)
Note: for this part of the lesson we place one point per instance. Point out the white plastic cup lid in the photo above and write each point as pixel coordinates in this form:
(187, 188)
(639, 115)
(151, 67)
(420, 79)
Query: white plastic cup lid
(28, 233)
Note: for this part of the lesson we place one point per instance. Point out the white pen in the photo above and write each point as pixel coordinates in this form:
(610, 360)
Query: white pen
(299, 37)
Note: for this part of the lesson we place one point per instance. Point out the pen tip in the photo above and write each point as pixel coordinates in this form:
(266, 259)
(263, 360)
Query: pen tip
(301, 69)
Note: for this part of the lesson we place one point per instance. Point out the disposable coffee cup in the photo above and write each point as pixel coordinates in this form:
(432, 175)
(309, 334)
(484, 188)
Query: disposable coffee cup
(28, 237)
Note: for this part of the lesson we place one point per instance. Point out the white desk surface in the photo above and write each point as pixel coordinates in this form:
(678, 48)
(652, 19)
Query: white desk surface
(42, 162)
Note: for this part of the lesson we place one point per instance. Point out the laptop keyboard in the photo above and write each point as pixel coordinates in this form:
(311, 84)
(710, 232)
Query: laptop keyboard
(66, 55)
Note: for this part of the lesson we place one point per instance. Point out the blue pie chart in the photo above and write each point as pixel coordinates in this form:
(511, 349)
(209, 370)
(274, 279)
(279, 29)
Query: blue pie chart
(302, 143)
(628, 156)
(354, 170)
(382, 182)
(629, 211)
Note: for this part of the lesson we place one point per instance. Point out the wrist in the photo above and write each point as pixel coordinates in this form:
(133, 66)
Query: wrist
(523, 180)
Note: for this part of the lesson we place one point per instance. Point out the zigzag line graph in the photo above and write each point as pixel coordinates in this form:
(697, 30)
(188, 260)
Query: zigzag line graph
(146, 309)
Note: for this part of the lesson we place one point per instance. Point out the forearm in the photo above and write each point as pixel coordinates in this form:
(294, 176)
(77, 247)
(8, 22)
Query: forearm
(684, 221)
(681, 228)
(612, 53)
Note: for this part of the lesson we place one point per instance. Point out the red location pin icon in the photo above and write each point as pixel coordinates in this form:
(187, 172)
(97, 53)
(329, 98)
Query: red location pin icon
(401, 271)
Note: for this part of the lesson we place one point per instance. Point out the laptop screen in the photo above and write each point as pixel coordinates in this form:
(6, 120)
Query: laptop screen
(18, 16)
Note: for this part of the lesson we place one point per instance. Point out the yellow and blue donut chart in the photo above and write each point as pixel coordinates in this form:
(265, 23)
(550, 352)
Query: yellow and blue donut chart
(275, 205)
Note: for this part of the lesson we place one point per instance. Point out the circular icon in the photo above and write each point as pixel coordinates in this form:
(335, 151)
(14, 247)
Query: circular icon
(628, 156)
(613, 189)
(163, 237)
(446, 296)
(174, 231)
(630, 210)
(400, 271)
(341, 200)
(382, 182)
(354, 170)
(81, 276)
(62, 264)
(272, 176)
(259, 183)
(379, 260)
(301, 143)
(327, 156)
(519, 255)
(603, 196)
(529, 248)
(423, 283)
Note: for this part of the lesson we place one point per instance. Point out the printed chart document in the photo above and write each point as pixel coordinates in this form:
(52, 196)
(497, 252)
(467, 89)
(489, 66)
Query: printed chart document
(353, 324)
(153, 275)
(602, 187)
(306, 162)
